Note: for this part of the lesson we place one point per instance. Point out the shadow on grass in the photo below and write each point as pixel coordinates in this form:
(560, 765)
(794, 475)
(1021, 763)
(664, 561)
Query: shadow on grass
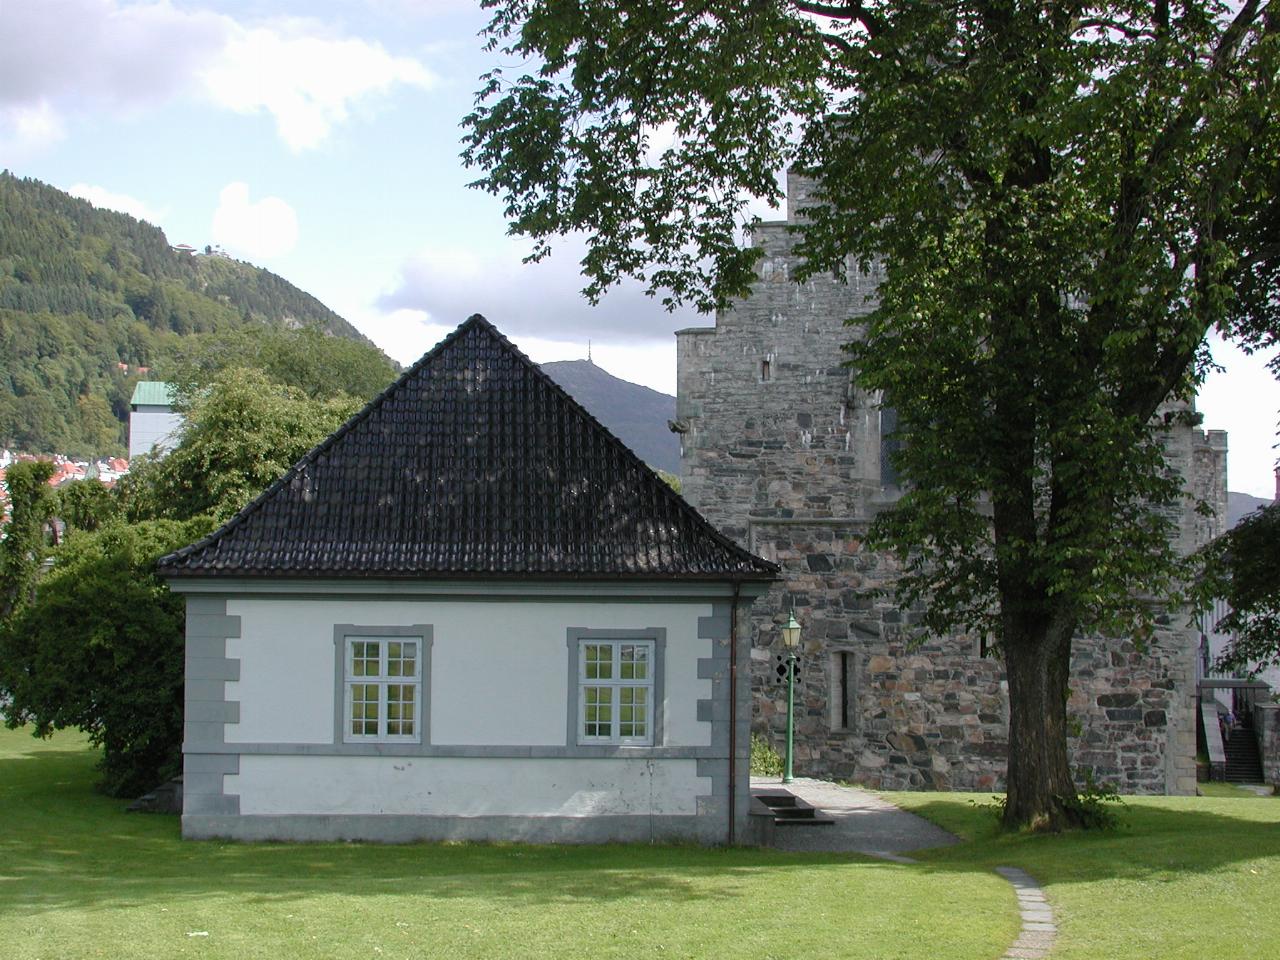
(1157, 837)
(64, 846)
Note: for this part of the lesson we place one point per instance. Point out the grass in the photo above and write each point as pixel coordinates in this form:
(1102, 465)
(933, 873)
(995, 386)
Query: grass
(1223, 789)
(79, 877)
(1183, 877)
(1186, 877)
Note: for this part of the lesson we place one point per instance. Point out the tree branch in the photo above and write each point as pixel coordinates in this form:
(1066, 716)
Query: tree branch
(1226, 48)
(836, 11)
(1265, 252)
(843, 11)
(840, 43)
(1142, 396)
(1132, 33)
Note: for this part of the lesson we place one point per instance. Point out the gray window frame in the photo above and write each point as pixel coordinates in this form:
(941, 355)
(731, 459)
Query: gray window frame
(341, 633)
(576, 637)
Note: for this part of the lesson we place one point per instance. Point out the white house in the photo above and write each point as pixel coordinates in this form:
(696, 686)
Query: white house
(153, 424)
(469, 613)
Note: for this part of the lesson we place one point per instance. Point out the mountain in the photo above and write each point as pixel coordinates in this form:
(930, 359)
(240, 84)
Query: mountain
(1241, 504)
(636, 415)
(91, 299)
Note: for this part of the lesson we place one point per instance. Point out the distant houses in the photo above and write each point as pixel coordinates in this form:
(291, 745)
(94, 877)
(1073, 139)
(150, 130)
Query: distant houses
(153, 429)
(106, 471)
(210, 250)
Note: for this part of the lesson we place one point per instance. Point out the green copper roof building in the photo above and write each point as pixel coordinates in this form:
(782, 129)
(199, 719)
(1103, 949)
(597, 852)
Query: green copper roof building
(153, 424)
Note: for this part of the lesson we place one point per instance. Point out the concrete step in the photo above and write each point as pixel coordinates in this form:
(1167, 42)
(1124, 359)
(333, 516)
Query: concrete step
(166, 798)
(789, 810)
(1244, 765)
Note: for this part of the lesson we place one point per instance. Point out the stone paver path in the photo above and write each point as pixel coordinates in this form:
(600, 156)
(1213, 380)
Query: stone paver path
(865, 823)
(1038, 928)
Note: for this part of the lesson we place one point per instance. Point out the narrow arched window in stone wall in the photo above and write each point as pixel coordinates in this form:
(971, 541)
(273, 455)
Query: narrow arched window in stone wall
(889, 444)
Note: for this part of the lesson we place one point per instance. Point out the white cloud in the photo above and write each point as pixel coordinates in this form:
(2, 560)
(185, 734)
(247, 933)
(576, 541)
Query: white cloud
(405, 335)
(28, 128)
(109, 200)
(1244, 400)
(62, 57)
(540, 300)
(416, 9)
(103, 50)
(307, 83)
(259, 231)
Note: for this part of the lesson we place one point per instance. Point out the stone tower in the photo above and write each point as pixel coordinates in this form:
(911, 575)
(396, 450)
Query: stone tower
(788, 458)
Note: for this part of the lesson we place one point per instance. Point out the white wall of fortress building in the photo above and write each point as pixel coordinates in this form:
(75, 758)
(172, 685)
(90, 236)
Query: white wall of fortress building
(152, 427)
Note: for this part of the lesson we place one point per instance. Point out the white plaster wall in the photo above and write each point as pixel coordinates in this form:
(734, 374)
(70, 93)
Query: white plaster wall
(152, 427)
(499, 668)
(438, 786)
(1217, 645)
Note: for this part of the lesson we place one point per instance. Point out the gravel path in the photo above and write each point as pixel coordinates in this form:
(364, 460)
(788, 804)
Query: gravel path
(863, 822)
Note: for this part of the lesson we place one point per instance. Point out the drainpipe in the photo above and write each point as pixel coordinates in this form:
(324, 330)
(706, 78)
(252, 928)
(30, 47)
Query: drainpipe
(733, 712)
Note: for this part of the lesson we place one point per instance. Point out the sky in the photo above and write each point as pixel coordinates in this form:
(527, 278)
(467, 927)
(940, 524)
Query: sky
(321, 140)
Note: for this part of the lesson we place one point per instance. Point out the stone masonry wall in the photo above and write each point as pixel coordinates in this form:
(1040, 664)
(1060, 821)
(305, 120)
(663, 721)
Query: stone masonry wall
(870, 706)
(783, 454)
(1209, 483)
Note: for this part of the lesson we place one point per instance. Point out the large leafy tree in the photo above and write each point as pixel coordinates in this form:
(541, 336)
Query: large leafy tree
(1062, 197)
(96, 641)
(99, 648)
(1243, 568)
(242, 432)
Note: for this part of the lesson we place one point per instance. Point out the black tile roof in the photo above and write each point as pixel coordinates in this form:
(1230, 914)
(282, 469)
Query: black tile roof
(473, 464)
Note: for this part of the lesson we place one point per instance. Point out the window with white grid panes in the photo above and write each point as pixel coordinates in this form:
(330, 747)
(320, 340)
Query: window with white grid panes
(615, 691)
(384, 686)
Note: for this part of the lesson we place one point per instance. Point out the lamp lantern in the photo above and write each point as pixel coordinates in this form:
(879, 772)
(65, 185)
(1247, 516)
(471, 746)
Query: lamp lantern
(791, 632)
(791, 640)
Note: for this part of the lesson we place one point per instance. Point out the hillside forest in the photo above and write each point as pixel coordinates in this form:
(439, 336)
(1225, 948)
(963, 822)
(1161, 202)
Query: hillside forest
(93, 300)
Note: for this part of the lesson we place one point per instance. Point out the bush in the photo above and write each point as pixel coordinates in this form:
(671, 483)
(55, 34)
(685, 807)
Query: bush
(100, 648)
(241, 434)
(1096, 807)
(765, 761)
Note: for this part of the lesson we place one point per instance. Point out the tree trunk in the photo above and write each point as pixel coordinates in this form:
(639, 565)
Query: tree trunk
(1041, 790)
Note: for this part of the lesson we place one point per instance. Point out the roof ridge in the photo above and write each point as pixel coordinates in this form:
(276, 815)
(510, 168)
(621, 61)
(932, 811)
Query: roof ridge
(681, 503)
(666, 534)
(241, 515)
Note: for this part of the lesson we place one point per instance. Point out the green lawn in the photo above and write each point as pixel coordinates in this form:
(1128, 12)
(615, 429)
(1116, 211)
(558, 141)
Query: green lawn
(1218, 789)
(81, 878)
(1183, 877)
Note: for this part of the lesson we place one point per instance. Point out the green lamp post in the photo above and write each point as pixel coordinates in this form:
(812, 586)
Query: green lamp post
(791, 640)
